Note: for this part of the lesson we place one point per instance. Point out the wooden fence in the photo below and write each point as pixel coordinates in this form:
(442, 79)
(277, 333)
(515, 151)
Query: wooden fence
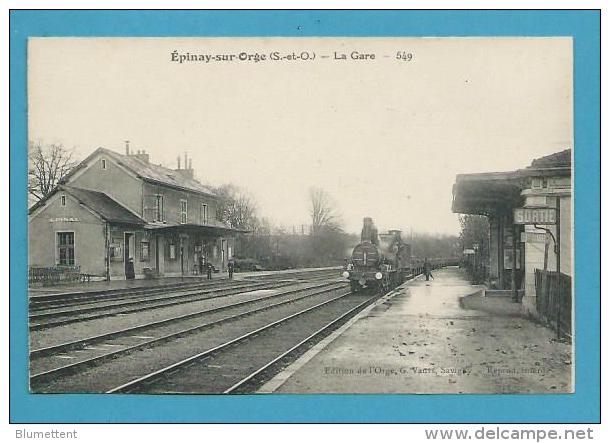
(554, 301)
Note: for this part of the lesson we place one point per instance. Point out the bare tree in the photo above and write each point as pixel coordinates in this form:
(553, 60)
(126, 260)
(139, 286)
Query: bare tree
(47, 165)
(321, 211)
(475, 235)
(236, 208)
(475, 230)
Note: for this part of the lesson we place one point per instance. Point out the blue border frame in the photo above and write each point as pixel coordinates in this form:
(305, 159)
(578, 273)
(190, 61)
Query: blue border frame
(581, 407)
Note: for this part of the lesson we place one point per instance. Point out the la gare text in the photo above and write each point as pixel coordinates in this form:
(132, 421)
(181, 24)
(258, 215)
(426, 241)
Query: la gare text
(277, 56)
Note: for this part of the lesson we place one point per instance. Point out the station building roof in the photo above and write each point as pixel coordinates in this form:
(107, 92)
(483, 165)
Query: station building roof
(497, 193)
(97, 202)
(112, 211)
(561, 159)
(488, 193)
(148, 171)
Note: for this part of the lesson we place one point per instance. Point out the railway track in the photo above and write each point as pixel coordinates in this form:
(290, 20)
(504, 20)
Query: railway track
(235, 365)
(43, 319)
(48, 365)
(66, 300)
(45, 301)
(298, 274)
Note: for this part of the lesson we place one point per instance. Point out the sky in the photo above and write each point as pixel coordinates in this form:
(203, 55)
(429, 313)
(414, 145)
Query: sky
(384, 137)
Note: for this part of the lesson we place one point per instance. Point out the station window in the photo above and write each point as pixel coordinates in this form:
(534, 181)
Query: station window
(144, 251)
(172, 251)
(538, 183)
(183, 211)
(63, 200)
(204, 214)
(103, 163)
(160, 209)
(65, 248)
(116, 250)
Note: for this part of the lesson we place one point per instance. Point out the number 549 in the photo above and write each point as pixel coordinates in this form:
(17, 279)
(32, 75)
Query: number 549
(404, 55)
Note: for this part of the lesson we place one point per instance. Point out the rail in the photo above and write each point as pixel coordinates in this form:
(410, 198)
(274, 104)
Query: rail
(134, 385)
(40, 378)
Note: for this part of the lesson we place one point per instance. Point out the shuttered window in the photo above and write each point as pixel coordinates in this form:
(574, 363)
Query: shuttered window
(160, 208)
(183, 211)
(204, 214)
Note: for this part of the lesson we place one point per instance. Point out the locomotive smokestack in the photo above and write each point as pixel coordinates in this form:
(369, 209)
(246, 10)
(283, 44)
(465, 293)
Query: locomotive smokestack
(369, 231)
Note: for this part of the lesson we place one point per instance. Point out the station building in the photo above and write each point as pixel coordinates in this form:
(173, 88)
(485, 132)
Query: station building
(543, 194)
(114, 209)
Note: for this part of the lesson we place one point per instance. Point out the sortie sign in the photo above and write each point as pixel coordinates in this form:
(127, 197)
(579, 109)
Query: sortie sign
(535, 216)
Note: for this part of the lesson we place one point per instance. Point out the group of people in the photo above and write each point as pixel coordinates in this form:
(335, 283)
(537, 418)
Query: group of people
(208, 267)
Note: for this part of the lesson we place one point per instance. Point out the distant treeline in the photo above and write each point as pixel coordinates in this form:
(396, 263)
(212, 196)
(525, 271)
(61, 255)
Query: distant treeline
(436, 245)
(287, 250)
(327, 247)
(320, 242)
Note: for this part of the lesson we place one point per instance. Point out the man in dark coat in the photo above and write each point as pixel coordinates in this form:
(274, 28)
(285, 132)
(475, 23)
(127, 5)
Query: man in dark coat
(210, 268)
(130, 272)
(428, 270)
(231, 266)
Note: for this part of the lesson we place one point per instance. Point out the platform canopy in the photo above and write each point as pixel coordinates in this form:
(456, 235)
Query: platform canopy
(497, 193)
(489, 193)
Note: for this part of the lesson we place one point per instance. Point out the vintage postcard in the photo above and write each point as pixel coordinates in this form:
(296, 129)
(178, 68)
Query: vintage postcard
(301, 215)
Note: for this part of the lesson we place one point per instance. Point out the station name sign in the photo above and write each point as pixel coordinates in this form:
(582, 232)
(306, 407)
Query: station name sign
(64, 220)
(535, 216)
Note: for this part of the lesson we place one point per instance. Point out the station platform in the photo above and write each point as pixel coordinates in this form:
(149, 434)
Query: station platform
(96, 286)
(421, 339)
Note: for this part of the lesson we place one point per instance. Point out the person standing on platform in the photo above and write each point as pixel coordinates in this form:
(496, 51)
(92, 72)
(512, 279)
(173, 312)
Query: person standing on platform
(428, 269)
(231, 266)
(130, 272)
(210, 267)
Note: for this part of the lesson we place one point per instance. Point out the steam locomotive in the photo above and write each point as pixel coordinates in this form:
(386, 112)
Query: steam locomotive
(380, 261)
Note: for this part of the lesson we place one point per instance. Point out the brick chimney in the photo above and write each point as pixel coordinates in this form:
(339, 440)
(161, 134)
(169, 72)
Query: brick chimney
(187, 171)
(142, 155)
